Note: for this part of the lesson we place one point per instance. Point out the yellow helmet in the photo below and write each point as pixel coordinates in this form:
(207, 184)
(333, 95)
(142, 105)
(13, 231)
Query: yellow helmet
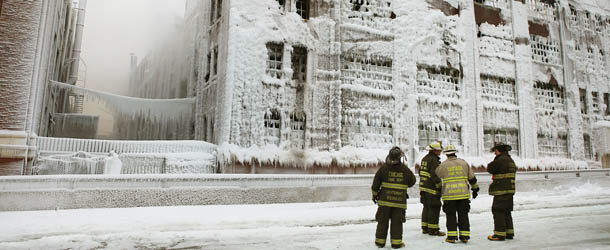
(434, 146)
(450, 149)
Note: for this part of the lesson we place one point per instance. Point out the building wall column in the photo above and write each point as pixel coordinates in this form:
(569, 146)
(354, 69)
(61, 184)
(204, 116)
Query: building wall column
(524, 80)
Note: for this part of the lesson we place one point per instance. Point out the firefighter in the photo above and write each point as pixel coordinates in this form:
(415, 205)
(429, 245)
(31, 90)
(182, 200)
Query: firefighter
(457, 178)
(390, 193)
(430, 190)
(503, 170)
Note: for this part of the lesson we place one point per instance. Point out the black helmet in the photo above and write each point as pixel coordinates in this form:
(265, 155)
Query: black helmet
(501, 147)
(395, 153)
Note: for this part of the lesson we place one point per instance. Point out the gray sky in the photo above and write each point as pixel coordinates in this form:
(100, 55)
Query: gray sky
(115, 28)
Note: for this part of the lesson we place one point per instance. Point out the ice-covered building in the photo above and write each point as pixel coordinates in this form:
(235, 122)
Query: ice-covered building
(337, 82)
(39, 41)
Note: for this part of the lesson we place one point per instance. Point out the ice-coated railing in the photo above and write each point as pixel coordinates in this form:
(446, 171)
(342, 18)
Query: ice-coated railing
(50, 144)
(98, 191)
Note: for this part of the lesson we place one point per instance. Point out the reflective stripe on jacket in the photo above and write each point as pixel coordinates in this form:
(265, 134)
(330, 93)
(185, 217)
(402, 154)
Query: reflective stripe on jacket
(428, 181)
(503, 170)
(390, 184)
(456, 174)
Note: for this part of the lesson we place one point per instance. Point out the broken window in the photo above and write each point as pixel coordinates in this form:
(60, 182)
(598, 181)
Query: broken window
(595, 103)
(208, 66)
(438, 81)
(500, 111)
(299, 64)
(275, 52)
(585, 19)
(507, 136)
(212, 9)
(429, 133)
(219, 9)
(297, 129)
(549, 146)
(282, 3)
(272, 121)
(542, 9)
(215, 66)
(498, 89)
(366, 120)
(373, 14)
(583, 101)
(303, 8)
(551, 119)
(599, 23)
(607, 103)
(588, 148)
(545, 50)
(501, 4)
(574, 17)
(370, 71)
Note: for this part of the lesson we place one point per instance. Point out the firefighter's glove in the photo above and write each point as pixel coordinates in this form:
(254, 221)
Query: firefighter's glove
(375, 198)
(475, 193)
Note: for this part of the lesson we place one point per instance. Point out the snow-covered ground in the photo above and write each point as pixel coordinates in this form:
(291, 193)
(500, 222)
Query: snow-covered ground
(565, 217)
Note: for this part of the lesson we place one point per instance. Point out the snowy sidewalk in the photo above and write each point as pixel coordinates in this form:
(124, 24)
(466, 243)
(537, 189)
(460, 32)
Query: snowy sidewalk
(562, 218)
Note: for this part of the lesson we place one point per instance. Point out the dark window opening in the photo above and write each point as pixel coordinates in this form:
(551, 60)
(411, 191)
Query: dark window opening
(303, 8)
(281, 3)
(219, 9)
(272, 119)
(208, 67)
(595, 102)
(607, 103)
(297, 121)
(583, 101)
(215, 68)
(588, 149)
(213, 4)
(299, 64)
(275, 52)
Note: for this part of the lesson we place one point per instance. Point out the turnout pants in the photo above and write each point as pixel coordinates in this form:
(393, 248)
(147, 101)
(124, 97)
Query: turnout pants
(430, 212)
(461, 209)
(503, 220)
(383, 217)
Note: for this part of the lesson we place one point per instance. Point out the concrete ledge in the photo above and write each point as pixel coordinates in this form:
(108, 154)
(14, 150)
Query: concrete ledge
(101, 191)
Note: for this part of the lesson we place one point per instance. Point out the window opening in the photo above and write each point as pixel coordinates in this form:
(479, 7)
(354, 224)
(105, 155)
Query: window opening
(281, 4)
(549, 146)
(303, 8)
(215, 68)
(595, 103)
(447, 134)
(275, 53)
(438, 81)
(272, 121)
(545, 50)
(212, 9)
(297, 130)
(583, 101)
(542, 10)
(508, 136)
(299, 64)
(219, 9)
(370, 71)
(588, 147)
(607, 103)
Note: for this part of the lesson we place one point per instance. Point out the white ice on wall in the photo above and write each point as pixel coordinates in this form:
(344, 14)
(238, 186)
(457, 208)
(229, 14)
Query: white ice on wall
(162, 110)
(420, 36)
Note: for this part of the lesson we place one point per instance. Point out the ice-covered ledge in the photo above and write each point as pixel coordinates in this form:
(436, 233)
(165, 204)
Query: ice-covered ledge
(106, 191)
(13, 144)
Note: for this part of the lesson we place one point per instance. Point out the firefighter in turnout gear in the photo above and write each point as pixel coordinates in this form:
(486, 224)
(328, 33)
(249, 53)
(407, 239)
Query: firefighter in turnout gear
(430, 190)
(390, 193)
(457, 180)
(503, 170)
